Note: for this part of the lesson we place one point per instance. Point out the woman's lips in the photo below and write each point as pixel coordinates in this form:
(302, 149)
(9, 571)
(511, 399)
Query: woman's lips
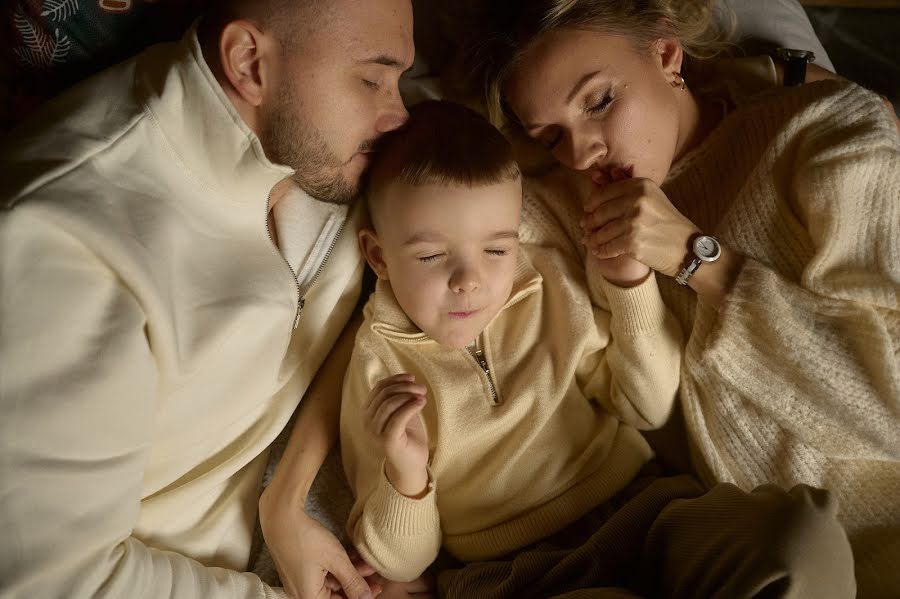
(611, 174)
(463, 315)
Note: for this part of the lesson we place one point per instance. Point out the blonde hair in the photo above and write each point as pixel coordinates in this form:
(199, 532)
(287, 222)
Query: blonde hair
(513, 25)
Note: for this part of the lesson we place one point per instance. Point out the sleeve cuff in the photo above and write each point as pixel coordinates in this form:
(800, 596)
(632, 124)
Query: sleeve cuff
(635, 309)
(402, 515)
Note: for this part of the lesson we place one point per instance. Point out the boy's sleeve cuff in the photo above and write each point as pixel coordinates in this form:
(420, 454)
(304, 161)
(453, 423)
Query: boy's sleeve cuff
(402, 515)
(635, 309)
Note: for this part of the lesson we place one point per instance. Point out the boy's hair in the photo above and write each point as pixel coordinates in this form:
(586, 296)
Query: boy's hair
(442, 143)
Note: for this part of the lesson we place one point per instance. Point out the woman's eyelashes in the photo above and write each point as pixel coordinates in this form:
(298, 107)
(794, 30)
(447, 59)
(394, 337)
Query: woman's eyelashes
(600, 104)
(372, 85)
(553, 135)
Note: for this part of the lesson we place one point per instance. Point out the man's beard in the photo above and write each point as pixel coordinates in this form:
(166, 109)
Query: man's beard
(290, 140)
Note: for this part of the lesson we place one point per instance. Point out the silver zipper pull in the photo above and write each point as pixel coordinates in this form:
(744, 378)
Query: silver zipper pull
(479, 355)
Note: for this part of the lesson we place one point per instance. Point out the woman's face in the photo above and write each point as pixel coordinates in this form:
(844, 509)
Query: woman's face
(596, 102)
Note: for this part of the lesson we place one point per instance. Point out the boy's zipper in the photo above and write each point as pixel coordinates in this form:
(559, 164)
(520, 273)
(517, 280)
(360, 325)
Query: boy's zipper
(478, 354)
(301, 303)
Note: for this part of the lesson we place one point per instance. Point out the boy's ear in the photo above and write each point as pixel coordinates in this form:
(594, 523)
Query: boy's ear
(372, 250)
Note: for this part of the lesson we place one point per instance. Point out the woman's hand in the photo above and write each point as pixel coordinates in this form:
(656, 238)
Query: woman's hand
(634, 218)
(392, 418)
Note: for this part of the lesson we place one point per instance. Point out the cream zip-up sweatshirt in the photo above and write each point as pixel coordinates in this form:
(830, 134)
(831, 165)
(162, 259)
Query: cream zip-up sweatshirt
(576, 366)
(148, 349)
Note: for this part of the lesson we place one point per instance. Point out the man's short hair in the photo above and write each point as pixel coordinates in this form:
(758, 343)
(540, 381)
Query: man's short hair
(442, 143)
(287, 20)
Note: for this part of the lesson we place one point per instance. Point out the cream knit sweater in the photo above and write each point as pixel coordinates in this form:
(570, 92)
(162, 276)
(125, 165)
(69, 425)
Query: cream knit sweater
(796, 378)
(519, 454)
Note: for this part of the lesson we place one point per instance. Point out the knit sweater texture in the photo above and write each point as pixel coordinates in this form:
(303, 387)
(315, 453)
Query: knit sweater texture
(795, 378)
(576, 367)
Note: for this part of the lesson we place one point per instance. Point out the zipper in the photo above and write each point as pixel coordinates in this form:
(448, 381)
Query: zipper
(283, 259)
(301, 303)
(478, 354)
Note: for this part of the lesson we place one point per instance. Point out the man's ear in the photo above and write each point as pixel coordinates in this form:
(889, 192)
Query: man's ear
(669, 55)
(374, 253)
(242, 51)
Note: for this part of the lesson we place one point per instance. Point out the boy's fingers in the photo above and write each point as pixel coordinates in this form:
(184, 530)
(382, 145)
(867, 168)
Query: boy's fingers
(390, 407)
(610, 231)
(605, 213)
(395, 427)
(371, 411)
(392, 388)
(391, 380)
(612, 248)
(608, 193)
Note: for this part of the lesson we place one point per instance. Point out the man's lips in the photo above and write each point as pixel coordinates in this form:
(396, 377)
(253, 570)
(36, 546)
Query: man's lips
(463, 315)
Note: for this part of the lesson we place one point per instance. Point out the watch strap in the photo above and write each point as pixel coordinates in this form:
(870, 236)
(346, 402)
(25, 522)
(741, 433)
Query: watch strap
(794, 72)
(688, 271)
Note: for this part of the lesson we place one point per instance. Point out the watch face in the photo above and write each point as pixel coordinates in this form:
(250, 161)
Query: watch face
(706, 248)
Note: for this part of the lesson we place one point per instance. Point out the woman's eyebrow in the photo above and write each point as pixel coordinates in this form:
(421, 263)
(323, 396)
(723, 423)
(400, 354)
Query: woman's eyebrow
(581, 83)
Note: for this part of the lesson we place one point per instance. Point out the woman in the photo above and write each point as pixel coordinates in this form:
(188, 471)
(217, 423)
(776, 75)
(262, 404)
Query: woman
(790, 203)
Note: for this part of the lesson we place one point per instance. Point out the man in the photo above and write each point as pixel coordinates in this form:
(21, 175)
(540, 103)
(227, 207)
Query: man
(170, 287)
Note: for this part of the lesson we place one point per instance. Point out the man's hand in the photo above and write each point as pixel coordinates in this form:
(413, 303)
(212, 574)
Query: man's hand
(311, 562)
(392, 418)
(420, 588)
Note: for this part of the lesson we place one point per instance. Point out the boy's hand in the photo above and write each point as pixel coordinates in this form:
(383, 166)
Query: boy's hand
(622, 270)
(392, 416)
(632, 220)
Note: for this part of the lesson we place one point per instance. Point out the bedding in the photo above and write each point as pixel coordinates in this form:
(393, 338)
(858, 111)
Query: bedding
(49, 45)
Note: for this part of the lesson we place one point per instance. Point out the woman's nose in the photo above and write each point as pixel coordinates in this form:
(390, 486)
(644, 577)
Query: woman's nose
(583, 151)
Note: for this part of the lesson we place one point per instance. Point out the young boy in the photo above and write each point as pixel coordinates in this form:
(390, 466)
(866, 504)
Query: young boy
(496, 389)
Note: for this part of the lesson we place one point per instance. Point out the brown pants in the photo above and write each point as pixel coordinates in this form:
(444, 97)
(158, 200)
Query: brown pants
(669, 538)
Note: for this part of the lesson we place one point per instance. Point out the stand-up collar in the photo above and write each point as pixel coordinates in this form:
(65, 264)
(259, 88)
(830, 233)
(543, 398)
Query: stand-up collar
(205, 131)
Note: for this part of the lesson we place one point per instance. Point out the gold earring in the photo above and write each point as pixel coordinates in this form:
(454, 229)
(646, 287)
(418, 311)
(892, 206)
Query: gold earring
(678, 81)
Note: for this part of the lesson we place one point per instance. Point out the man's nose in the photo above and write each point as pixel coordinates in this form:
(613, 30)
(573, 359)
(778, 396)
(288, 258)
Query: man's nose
(393, 115)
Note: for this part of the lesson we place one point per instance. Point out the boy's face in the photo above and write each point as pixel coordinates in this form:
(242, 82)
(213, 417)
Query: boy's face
(449, 253)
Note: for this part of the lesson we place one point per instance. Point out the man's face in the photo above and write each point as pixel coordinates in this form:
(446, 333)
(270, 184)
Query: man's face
(450, 254)
(335, 91)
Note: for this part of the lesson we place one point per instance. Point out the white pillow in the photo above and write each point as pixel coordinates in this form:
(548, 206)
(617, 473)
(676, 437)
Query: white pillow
(763, 25)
